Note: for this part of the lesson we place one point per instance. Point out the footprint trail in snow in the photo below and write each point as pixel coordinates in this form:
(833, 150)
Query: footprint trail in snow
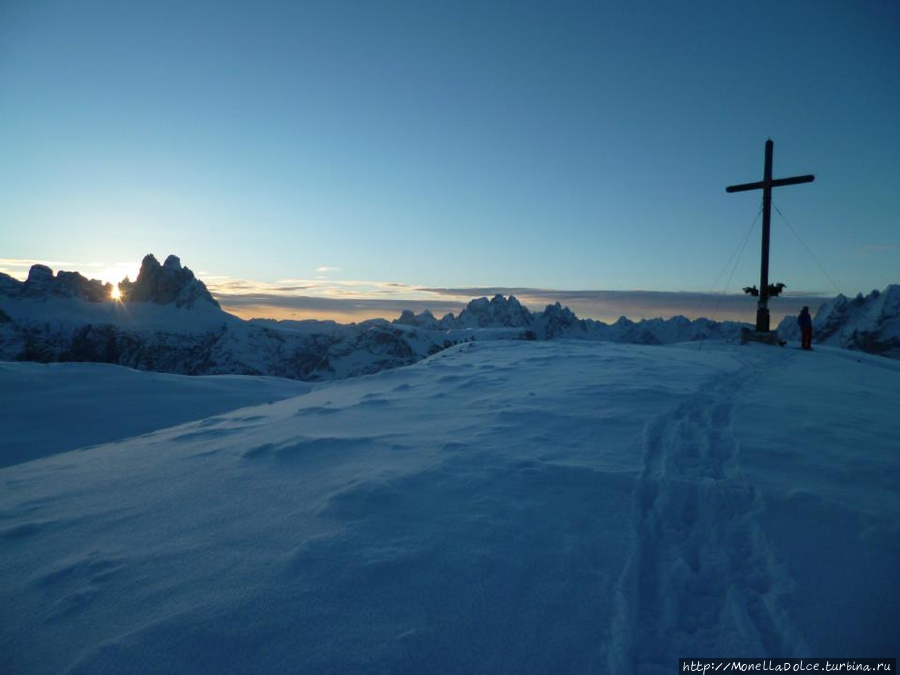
(701, 578)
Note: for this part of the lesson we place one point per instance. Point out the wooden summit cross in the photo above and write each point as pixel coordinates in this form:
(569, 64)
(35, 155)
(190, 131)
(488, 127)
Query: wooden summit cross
(766, 184)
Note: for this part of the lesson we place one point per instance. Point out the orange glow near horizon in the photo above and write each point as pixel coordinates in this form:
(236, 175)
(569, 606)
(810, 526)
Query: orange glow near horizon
(356, 315)
(248, 312)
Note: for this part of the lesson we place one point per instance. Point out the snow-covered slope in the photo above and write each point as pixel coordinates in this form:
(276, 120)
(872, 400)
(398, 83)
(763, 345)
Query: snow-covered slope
(500, 507)
(87, 404)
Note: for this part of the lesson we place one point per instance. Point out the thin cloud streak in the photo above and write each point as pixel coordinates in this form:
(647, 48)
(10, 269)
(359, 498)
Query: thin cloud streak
(355, 301)
(350, 310)
(319, 288)
(346, 301)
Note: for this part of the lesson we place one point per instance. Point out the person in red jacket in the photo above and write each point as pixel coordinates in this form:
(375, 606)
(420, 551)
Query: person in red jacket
(805, 323)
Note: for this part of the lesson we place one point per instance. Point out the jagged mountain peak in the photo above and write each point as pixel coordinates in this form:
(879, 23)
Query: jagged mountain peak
(172, 262)
(169, 283)
(498, 311)
(424, 320)
(557, 320)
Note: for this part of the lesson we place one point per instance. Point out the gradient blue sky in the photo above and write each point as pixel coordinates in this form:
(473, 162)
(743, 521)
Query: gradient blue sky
(360, 150)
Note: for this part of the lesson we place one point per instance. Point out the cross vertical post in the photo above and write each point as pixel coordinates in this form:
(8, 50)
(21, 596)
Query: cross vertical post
(762, 307)
(766, 185)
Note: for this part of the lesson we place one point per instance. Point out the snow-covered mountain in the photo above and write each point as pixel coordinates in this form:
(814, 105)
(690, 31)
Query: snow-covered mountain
(868, 323)
(507, 313)
(167, 321)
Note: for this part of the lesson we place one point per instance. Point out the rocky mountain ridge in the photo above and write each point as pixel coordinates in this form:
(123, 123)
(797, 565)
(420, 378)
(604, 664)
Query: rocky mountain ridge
(41, 284)
(556, 321)
(869, 323)
(169, 283)
(167, 321)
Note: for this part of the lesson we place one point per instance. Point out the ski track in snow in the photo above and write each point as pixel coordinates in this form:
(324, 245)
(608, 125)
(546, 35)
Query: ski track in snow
(701, 577)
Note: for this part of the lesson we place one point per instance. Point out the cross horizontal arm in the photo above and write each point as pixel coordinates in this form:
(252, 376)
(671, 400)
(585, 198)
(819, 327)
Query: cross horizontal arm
(794, 180)
(778, 182)
(746, 186)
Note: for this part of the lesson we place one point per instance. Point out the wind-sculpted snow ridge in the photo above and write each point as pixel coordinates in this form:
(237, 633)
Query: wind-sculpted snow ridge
(868, 323)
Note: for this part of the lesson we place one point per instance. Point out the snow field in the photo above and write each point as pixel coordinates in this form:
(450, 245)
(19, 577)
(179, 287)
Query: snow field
(502, 507)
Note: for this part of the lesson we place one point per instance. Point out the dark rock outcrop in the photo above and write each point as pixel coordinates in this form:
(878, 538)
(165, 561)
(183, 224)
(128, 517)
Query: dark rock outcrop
(169, 283)
(41, 284)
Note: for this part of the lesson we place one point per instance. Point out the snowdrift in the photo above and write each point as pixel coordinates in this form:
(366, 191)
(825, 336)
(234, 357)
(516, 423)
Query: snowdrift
(500, 507)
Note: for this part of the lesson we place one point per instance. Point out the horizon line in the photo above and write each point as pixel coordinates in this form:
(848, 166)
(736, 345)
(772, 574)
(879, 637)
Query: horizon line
(347, 301)
(599, 305)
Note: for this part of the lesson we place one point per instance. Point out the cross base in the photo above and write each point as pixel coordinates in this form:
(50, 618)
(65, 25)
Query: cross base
(762, 319)
(768, 337)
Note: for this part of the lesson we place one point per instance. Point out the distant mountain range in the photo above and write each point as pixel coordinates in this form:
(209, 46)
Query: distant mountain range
(167, 321)
(869, 323)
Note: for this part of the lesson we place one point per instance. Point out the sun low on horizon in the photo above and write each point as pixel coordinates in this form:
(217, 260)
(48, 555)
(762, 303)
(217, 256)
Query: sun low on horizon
(114, 275)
